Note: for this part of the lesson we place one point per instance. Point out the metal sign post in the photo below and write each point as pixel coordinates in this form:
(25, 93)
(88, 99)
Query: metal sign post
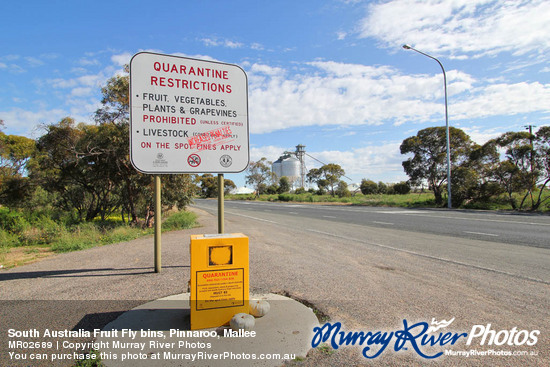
(220, 203)
(158, 221)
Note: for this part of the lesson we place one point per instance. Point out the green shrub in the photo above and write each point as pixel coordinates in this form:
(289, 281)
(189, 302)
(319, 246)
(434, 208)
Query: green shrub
(12, 221)
(83, 236)
(286, 197)
(7, 239)
(43, 231)
(121, 234)
(180, 220)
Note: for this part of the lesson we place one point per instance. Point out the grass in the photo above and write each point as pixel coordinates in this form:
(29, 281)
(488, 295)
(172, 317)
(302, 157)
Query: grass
(412, 200)
(180, 220)
(407, 201)
(94, 361)
(23, 241)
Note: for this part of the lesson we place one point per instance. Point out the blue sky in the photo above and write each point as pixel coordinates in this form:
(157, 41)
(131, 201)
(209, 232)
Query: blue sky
(330, 75)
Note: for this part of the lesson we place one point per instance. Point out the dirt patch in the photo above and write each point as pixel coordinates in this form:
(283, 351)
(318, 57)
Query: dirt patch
(16, 256)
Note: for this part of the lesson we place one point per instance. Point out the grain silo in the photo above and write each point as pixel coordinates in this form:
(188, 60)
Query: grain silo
(291, 165)
(276, 167)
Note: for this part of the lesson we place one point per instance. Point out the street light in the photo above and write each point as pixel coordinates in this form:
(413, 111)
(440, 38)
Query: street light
(407, 47)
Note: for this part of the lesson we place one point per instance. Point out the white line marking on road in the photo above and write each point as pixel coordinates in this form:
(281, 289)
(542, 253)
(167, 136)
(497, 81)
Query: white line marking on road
(398, 212)
(482, 234)
(292, 213)
(421, 214)
(429, 256)
(329, 216)
(389, 224)
(248, 216)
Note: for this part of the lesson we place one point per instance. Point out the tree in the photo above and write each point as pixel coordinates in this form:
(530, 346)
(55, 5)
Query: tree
(315, 175)
(75, 161)
(542, 149)
(476, 180)
(15, 153)
(519, 168)
(209, 186)
(402, 188)
(327, 176)
(259, 175)
(272, 189)
(342, 190)
(284, 185)
(382, 188)
(428, 163)
(368, 187)
(135, 189)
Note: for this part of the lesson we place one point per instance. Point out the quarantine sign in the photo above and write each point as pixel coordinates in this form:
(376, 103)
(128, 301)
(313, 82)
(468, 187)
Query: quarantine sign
(219, 278)
(218, 289)
(187, 115)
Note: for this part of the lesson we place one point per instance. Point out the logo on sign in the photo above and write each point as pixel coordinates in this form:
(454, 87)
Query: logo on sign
(194, 160)
(160, 161)
(226, 160)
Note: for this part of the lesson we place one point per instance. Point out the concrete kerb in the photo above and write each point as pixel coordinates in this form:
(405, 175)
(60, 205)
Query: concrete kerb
(161, 337)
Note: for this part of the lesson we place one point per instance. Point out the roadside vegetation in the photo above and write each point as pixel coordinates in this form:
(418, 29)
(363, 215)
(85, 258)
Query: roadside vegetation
(74, 186)
(411, 200)
(29, 235)
(511, 171)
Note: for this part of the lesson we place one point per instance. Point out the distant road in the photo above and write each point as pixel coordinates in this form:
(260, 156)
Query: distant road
(512, 228)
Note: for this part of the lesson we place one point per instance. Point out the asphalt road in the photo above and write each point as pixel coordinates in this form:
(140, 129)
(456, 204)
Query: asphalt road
(506, 227)
(368, 276)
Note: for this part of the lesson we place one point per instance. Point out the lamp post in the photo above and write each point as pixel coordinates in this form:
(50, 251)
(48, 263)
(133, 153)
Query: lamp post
(407, 47)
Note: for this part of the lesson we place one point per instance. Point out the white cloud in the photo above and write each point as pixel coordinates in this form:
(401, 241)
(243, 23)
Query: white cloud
(503, 99)
(333, 93)
(121, 59)
(368, 161)
(270, 152)
(81, 91)
(33, 61)
(23, 122)
(223, 42)
(381, 162)
(330, 93)
(256, 46)
(459, 27)
(88, 62)
(481, 135)
(86, 81)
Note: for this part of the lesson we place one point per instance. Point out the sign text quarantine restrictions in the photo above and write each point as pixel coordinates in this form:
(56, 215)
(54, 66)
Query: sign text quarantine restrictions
(187, 115)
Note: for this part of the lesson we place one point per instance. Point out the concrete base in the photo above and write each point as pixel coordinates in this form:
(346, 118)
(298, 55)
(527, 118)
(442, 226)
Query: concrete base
(158, 334)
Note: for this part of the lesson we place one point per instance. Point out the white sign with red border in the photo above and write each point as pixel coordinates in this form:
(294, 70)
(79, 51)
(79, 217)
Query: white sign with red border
(187, 115)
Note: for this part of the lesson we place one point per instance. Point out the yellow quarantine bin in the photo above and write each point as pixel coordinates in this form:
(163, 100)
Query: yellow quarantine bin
(219, 278)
